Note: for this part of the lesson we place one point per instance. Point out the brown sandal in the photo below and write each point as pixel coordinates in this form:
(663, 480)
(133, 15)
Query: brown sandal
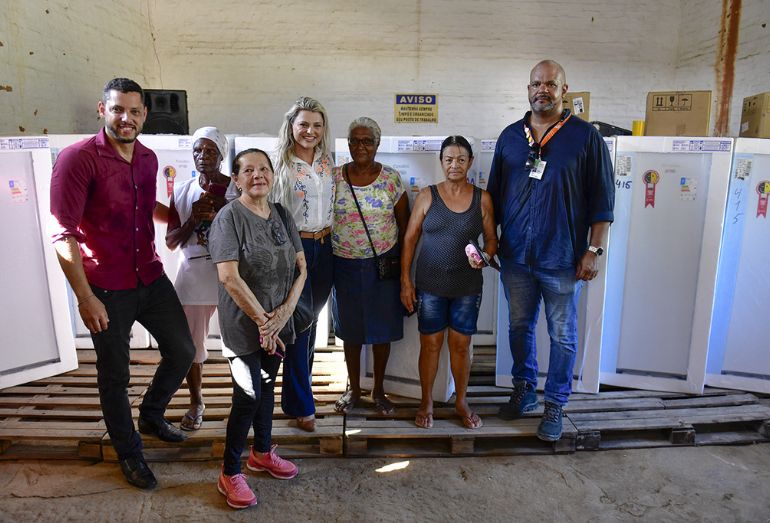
(424, 421)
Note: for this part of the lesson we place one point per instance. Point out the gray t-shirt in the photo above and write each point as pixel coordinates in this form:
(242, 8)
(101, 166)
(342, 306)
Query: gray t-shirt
(266, 253)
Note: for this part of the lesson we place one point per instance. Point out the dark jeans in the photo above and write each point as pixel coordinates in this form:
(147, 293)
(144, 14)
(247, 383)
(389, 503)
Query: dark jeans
(253, 398)
(157, 308)
(296, 392)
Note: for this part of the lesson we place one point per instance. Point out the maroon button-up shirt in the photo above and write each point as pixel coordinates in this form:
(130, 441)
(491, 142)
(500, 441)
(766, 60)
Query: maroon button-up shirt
(106, 204)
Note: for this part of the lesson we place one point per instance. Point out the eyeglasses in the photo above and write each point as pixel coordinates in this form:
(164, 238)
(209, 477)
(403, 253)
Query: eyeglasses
(550, 86)
(533, 156)
(366, 142)
(277, 232)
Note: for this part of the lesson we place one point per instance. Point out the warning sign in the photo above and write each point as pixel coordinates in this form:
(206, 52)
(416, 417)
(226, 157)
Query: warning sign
(416, 108)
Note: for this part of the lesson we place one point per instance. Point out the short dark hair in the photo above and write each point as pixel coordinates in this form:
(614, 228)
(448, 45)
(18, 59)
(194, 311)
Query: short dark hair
(459, 141)
(124, 85)
(236, 167)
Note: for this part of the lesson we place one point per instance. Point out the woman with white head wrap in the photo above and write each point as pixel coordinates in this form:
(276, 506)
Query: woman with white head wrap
(193, 206)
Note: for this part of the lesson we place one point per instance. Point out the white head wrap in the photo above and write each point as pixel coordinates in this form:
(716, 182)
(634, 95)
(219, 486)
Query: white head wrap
(213, 134)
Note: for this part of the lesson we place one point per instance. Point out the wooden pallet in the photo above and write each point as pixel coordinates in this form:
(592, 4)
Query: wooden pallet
(720, 417)
(209, 442)
(61, 417)
(51, 419)
(370, 434)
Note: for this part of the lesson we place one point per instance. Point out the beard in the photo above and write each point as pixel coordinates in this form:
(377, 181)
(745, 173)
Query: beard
(114, 132)
(541, 104)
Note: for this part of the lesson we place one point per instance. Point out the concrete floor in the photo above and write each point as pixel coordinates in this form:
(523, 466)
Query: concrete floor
(666, 484)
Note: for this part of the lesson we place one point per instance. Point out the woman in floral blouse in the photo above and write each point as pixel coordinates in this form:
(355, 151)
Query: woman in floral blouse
(366, 309)
(304, 185)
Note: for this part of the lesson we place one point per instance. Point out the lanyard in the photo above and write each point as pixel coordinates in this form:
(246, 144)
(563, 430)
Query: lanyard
(548, 135)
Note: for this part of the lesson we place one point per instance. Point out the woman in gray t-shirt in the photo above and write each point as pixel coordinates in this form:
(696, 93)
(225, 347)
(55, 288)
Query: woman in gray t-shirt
(256, 249)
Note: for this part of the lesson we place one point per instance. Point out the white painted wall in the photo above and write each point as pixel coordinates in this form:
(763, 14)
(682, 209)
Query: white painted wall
(56, 55)
(244, 62)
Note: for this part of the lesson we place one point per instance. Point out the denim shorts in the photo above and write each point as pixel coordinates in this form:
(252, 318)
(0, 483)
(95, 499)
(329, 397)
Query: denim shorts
(436, 313)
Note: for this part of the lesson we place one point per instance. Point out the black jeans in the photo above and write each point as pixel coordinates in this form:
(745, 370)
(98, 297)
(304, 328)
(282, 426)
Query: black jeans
(157, 308)
(253, 399)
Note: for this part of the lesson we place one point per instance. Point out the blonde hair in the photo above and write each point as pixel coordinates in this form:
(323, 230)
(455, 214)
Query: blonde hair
(284, 178)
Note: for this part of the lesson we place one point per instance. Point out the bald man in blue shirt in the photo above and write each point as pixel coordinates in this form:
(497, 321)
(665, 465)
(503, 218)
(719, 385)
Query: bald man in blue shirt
(552, 186)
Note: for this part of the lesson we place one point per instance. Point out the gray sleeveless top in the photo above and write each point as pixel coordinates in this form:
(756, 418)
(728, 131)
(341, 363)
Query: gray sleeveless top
(442, 266)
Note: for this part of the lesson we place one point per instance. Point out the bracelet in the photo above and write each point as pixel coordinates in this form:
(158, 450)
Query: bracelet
(81, 302)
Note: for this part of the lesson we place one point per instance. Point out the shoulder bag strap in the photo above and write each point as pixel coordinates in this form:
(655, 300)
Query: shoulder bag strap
(361, 214)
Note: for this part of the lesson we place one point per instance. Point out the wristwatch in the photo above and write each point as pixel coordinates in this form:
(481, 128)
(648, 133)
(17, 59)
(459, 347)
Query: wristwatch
(596, 250)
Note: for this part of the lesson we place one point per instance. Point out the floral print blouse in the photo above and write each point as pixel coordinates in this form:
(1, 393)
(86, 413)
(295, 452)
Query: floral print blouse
(377, 201)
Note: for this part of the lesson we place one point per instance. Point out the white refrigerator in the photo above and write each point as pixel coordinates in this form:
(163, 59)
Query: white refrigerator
(662, 261)
(416, 158)
(585, 376)
(36, 338)
(486, 333)
(739, 355)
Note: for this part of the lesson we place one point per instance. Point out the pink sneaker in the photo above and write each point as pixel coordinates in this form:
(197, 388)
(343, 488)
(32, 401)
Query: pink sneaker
(236, 490)
(272, 463)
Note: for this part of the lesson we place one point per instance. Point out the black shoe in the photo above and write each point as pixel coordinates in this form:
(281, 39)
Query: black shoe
(138, 473)
(523, 399)
(162, 429)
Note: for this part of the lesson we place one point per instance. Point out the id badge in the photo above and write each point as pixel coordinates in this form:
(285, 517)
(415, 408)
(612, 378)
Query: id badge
(538, 169)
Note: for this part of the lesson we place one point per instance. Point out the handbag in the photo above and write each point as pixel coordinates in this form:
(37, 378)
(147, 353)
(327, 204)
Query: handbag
(388, 267)
(303, 315)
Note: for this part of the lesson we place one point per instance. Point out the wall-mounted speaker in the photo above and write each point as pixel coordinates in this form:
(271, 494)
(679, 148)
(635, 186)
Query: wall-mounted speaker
(166, 112)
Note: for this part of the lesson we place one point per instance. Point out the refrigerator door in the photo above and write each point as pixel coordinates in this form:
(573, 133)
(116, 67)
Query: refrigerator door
(738, 348)
(487, 323)
(139, 338)
(590, 318)
(662, 261)
(36, 337)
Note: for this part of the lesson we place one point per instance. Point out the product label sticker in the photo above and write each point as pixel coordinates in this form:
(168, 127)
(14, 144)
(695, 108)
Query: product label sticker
(169, 173)
(701, 146)
(538, 169)
(623, 165)
(19, 192)
(686, 189)
(488, 145)
(17, 144)
(763, 189)
(577, 106)
(743, 168)
(650, 179)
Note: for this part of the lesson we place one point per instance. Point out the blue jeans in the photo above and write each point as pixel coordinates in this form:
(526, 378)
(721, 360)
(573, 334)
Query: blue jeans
(157, 307)
(296, 392)
(524, 286)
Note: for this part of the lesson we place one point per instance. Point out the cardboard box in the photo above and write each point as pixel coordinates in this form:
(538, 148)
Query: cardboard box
(678, 113)
(578, 103)
(755, 117)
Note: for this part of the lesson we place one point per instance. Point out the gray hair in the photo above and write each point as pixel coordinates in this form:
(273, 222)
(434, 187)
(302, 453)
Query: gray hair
(366, 123)
(282, 187)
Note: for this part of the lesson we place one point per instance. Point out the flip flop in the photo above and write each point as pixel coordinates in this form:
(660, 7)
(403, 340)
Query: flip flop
(424, 421)
(190, 422)
(346, 403)
(384, 406)
(472, 421)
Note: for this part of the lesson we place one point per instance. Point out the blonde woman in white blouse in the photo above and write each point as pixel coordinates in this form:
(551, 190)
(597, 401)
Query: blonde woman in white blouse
(305, 186)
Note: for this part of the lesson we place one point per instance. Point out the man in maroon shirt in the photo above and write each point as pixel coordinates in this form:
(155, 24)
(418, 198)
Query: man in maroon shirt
(103, 200)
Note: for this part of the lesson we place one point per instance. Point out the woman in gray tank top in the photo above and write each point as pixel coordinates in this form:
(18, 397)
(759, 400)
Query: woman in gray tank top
(448, 282)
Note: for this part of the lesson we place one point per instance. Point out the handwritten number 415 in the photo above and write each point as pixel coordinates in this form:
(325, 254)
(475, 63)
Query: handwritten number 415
(623, 184)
